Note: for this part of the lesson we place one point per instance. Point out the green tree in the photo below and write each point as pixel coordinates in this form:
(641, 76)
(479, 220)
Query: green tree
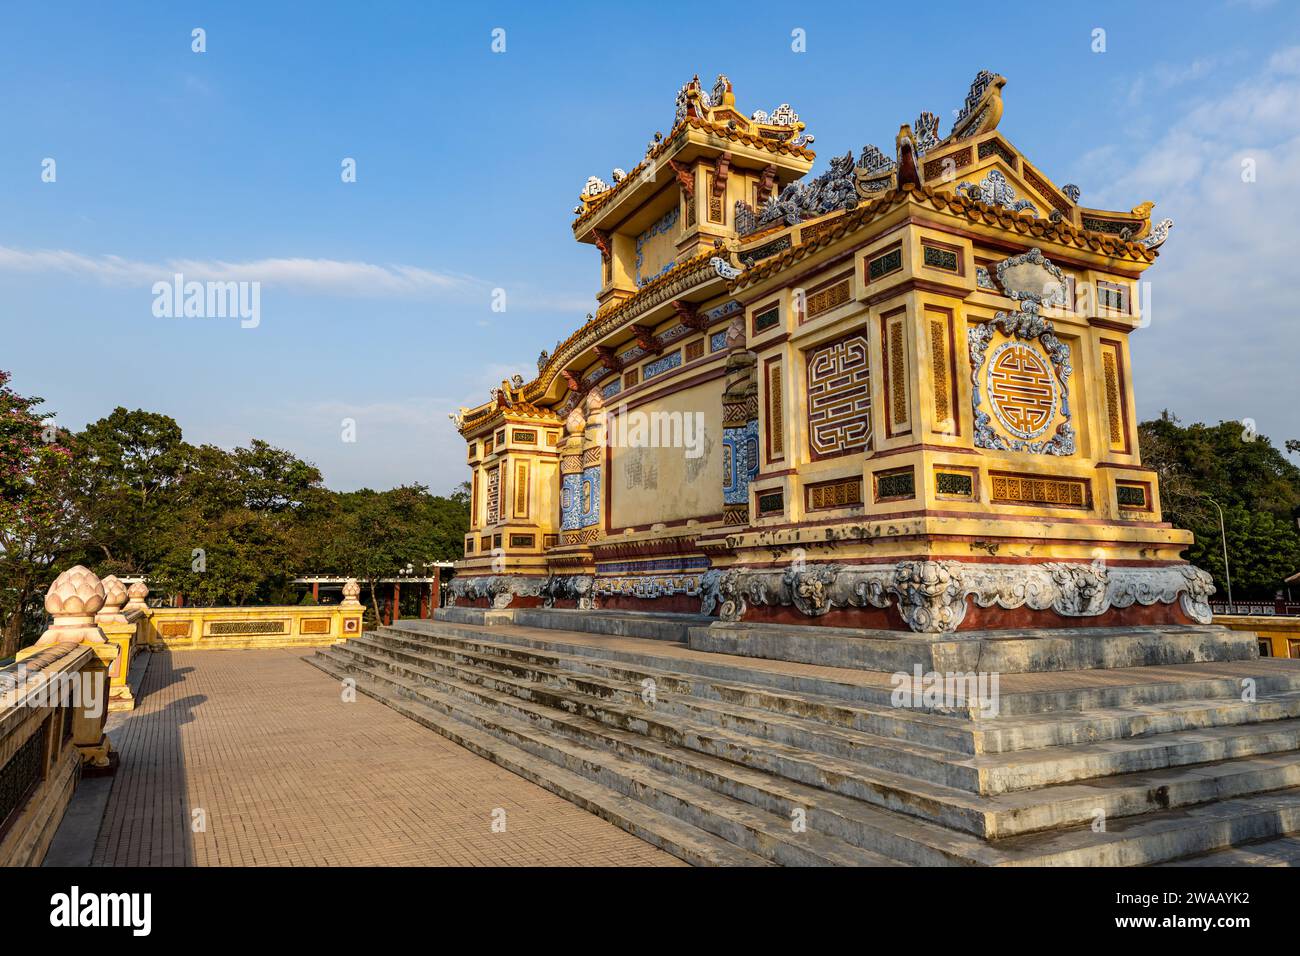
(41, 525)
(240, 526)
(1254, 483)
(129, 466)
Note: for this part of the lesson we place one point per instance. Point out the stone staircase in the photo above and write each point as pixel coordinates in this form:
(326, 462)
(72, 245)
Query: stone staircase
(718, 759)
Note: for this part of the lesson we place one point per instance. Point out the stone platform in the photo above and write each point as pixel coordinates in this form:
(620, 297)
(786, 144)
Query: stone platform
(730, 760)
(1002, 651)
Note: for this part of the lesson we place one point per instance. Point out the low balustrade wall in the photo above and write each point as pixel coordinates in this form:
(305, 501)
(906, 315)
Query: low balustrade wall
(1278, 636)
(197, 628)
(47, 731)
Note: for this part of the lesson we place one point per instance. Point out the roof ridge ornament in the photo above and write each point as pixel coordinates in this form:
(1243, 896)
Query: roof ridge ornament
(925, 132)
(1159, 233)
(994, 190)
(982, 108)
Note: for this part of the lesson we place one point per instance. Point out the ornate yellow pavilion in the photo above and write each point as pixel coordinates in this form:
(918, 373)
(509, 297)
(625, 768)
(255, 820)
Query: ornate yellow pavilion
(897, 395)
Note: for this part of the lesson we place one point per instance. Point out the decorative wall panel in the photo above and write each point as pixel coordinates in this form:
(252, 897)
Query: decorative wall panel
(521, 490)
(1112, 364)
(775, 412)
(494, 496)
(839, 397)
(1032, 489)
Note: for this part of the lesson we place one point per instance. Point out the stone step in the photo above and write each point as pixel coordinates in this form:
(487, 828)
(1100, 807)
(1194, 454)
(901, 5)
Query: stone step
(506, 672)
(1150, 838)
(934, 730)
(1137, 687)
(760, 835)
(656, 627)
(627, 730)
(1282, 851)
(983, 774)
(892, 723)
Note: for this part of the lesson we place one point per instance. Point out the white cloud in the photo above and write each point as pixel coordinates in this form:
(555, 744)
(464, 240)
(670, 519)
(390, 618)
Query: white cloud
(314, 276)
(1222, 338)
(328, 277)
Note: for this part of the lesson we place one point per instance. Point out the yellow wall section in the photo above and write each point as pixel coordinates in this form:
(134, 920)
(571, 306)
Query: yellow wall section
(650, 485)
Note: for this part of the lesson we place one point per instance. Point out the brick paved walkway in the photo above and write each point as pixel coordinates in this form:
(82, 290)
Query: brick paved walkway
(286, 773)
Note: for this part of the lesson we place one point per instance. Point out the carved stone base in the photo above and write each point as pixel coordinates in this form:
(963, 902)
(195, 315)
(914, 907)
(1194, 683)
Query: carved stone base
(928, 597)
(515, 590)
(931, 596)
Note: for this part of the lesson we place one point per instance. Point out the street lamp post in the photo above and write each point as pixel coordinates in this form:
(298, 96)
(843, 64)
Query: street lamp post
(1223, 535)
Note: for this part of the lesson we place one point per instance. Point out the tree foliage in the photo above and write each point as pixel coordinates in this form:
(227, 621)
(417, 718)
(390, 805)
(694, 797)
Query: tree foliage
(1250, 479)
(129, 495)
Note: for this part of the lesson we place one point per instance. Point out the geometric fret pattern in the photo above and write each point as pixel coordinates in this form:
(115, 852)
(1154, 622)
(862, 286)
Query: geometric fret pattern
(493, 495)
(839, 397)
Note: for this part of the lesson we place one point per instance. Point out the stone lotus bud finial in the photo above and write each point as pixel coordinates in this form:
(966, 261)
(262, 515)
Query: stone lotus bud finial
(351, 591)
(73, 600)
(136, 593)
(114, 598)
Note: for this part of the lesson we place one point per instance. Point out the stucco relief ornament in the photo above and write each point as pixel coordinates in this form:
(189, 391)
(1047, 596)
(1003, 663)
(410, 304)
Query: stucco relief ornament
(981, 83)
(1195, 599)
(721, 86)
(810, 588)
(500, 590)
(1082, 588)
(595, 186)
(834, 189)
(577, 587)
(1159, 233)
(926, 132)
(931, 598)
(1031, 280)
(994, 190)
(683, 100)
(932, 595)
(575, 423)
(874, 172)
(723, 268)
(720, 590)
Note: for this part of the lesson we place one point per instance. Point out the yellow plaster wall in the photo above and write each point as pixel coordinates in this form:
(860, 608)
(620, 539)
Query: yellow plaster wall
(651, 485)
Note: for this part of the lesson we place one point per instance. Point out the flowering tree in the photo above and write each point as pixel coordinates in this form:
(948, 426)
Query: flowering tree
(39, 524)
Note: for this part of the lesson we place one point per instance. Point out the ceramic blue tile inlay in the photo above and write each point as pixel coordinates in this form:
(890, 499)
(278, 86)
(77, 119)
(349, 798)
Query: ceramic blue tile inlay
(571, 503)
(661, 365)
(739, 462)
(589, 496)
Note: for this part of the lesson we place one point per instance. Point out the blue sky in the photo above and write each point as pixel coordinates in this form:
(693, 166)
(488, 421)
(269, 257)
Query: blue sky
(376, 295)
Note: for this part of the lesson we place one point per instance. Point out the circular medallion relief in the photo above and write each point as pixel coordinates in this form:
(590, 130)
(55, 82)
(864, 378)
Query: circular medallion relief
(1022, 389)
